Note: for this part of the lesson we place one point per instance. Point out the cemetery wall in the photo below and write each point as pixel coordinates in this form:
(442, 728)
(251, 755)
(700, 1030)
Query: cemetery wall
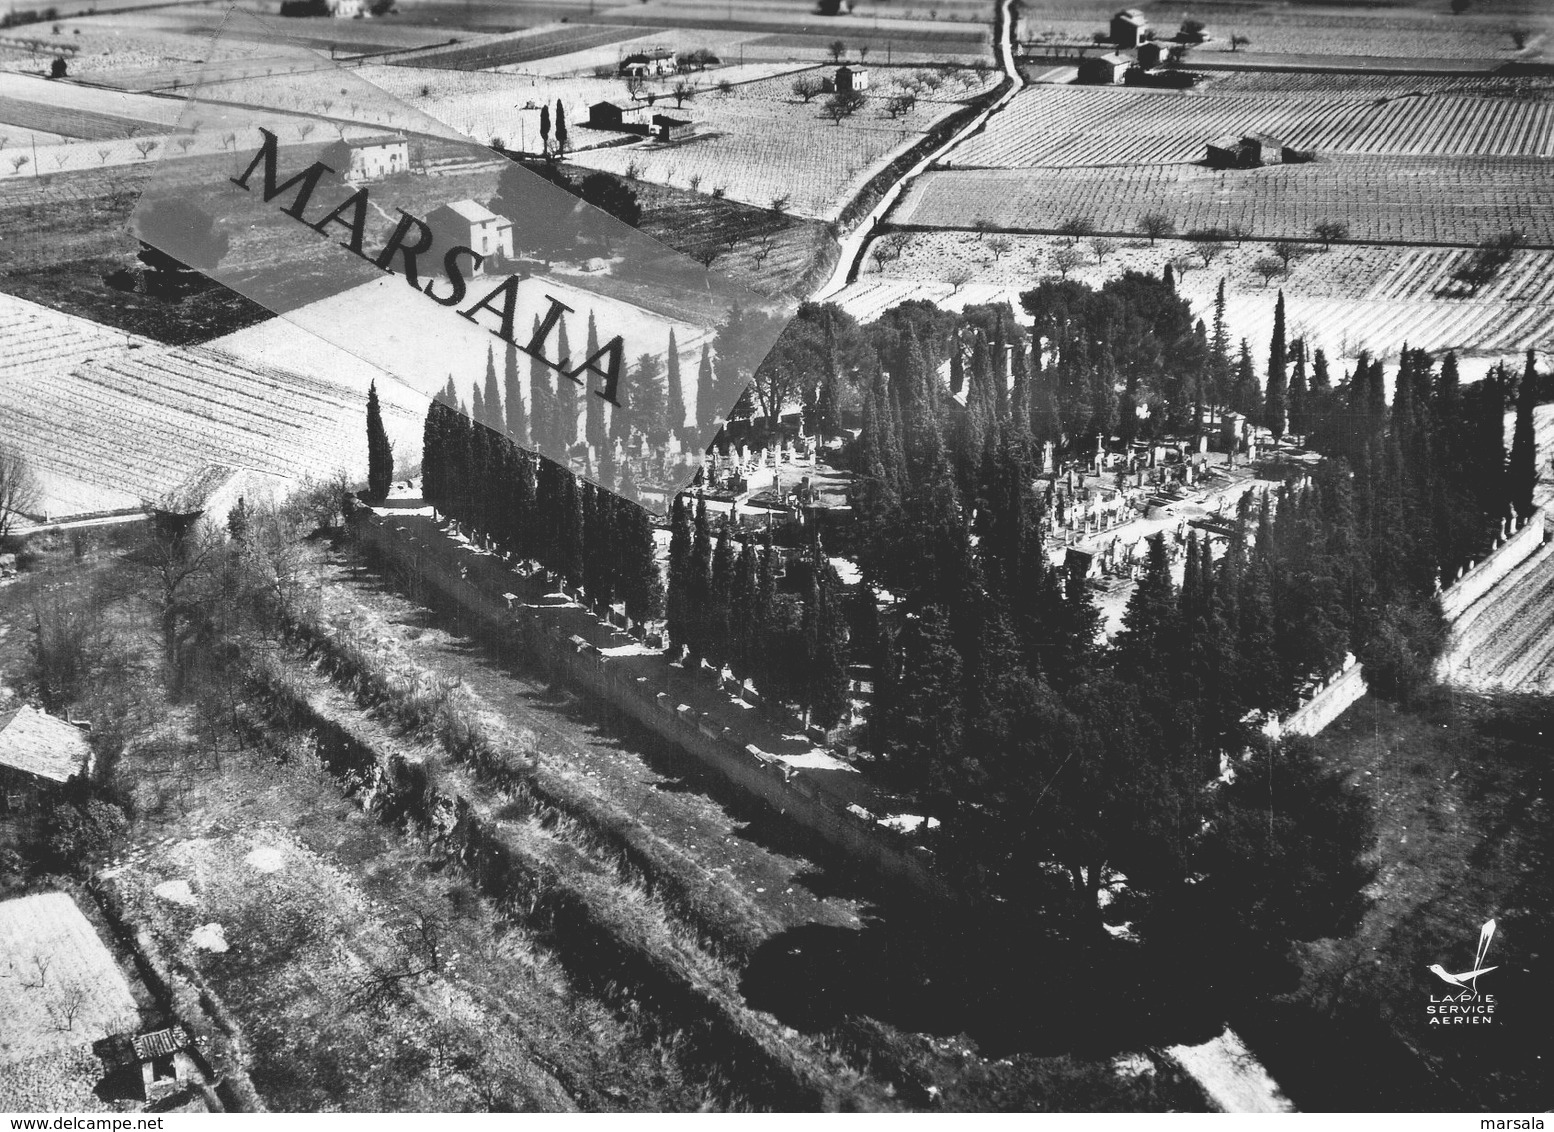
(568, 639)
(1334, 698)
(1508, 554)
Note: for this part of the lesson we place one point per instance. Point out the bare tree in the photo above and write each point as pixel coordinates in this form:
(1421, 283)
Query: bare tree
(65, 1006)
(807, 87)
(1066, 259)
(682, 91)
(837, 49)
(1102, 247)
(1287, 251)
(958, 276)
(1268, 266)
(147, 146)
(1208, 244)
(19, 490)
(1000, 247)
(780, 204)
(1240, 232)
(17, 161)
(1156, 224)
(1238, 41)
(1329, 230)
(1076, 227)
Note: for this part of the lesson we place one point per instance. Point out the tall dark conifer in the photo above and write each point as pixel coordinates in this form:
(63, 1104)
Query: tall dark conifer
(495, 418)
(1276, 407)
(1522, 473)
(517, 417)
(380, 453)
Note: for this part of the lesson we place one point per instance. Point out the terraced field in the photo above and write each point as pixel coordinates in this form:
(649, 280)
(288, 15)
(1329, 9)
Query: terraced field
(130, 425)
(1056, 125)
(1449, 201)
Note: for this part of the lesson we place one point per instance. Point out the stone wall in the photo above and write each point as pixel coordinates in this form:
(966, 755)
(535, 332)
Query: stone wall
(1326, 704)
(1510, 550)
(568, 640)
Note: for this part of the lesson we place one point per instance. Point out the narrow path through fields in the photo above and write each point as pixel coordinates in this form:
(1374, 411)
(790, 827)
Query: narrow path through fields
(855, 245)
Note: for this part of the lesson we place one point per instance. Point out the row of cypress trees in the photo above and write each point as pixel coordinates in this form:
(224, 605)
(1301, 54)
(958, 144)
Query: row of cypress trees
(742, 603)
(533, 508)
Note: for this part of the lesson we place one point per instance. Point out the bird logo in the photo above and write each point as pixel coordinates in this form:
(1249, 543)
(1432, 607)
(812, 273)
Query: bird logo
(1468, 980)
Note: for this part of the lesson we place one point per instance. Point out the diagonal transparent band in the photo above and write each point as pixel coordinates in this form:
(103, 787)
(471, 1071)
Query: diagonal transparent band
(296, 182)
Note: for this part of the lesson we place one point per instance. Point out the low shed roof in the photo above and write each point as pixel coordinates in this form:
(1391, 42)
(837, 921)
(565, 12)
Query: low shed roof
(37, 743)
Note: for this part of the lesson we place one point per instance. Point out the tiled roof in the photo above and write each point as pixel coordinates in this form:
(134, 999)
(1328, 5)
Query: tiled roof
(160, 1043)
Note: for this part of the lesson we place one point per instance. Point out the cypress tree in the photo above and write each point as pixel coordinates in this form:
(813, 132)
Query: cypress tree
(477, 403)
(380, 454)
(595, 431)
(542, 407)
(561, 133)
(432, 455)
(1248, 395)
(720, 595)
(925, 709)
(825, 637)
(495, 419)
(1277, 402)
(1299, 409)
(517, 417)
(566, 396)
(1150, 626)
(764, 660)
(677, 408)
(706, 396)
(1220, 370)
(569, 517)
(743, 643)
(698, 585)
(679, 607)
(1523, 468)
(642, 587)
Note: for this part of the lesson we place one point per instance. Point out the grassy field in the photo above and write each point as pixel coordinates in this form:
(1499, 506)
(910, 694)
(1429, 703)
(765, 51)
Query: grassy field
(1462, 791)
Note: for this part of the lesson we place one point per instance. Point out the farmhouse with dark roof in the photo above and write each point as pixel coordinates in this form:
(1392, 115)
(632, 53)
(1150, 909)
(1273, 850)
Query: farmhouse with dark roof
(1103, 70)
(1128, 28)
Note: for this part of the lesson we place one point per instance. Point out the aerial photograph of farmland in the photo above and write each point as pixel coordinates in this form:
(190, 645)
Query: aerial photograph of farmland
(894, 556)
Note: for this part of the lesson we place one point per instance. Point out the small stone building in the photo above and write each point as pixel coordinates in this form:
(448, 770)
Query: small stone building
(1231, 152)
(661, 61)
(1128, 28)
(1152, 53)
(40, 755)
(1104, 70)
(471, 225)
(373, 159)
(1248, 151)
(851, 80)
(613, 116)
(161, 1062)
(666, 128)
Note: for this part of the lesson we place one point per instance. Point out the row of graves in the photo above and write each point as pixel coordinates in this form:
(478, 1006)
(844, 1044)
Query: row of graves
(1100, 513)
